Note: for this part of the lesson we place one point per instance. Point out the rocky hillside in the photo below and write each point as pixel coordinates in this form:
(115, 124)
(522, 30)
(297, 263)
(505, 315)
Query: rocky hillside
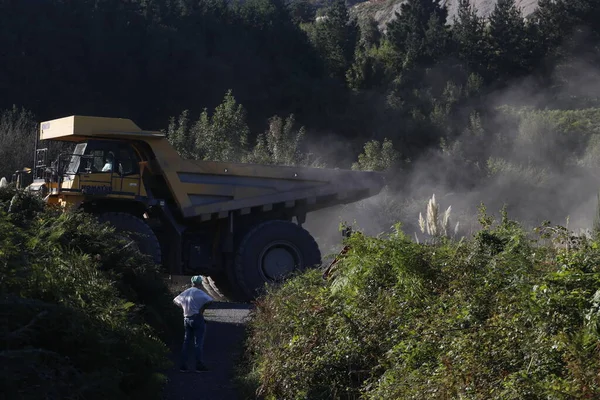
(383, 11)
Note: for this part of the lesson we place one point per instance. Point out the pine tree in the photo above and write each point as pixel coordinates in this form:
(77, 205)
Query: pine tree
(407, 32)
(418, 39)
(468, 34)
(366, 72)
(567, 36)
(335, 38)
(437, 40)
(302, 11)
(550, 24)
(508, 41)
(569, 26)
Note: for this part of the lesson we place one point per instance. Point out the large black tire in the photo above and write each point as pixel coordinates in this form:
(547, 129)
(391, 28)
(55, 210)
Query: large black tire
(270, 252)
(138, 230)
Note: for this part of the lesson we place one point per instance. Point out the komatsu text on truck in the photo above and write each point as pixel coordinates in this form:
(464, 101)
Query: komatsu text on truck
(238, 224)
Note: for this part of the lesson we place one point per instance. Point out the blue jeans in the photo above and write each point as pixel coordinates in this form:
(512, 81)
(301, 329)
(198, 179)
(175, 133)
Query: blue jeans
(195, 326)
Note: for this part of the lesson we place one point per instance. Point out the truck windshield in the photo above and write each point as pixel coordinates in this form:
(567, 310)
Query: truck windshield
(76, 158)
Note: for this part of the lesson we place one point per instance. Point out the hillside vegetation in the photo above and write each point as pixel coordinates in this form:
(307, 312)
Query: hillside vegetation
(343, 80)
(85, 316)
(503, 314)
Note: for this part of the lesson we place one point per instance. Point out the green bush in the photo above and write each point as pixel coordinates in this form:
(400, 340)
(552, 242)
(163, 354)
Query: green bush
(85, 315)
(506, 314)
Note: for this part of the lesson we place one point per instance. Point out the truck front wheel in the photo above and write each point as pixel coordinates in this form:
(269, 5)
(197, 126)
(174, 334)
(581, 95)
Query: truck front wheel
(138, 230)
(270, 252)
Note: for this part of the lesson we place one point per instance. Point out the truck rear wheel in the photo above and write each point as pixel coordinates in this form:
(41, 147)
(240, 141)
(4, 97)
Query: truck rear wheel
(139, 231)
(270, 252)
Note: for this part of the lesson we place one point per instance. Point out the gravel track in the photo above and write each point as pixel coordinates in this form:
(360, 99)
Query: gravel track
(225, 330)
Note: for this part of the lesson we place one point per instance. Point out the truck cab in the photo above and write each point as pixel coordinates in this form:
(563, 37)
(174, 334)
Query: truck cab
(105, 167)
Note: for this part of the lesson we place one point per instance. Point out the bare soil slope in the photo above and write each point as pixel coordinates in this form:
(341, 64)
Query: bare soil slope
(383, 11)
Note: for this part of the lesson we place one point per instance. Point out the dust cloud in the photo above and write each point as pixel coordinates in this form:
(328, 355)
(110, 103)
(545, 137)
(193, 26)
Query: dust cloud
(538, 155)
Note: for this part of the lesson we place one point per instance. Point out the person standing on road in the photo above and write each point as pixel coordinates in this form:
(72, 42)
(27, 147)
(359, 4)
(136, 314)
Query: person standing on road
(193, 301)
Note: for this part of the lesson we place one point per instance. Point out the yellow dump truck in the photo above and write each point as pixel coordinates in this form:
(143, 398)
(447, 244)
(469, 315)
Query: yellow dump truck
(238, 224)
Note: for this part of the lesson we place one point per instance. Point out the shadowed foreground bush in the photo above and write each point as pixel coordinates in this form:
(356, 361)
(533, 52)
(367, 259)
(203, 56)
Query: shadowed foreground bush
(84, 315)
(497, 316)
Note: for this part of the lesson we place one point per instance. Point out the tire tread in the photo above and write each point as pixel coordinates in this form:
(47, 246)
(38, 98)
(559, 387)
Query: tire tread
(239, 257)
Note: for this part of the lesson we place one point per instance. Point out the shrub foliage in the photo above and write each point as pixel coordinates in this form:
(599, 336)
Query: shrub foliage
(84, 315)
(506, 314)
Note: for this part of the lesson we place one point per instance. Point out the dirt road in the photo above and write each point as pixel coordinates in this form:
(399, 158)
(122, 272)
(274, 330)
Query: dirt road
(222, 346)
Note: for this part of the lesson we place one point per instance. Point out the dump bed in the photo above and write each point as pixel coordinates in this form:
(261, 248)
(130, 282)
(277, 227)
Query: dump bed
(207, 189)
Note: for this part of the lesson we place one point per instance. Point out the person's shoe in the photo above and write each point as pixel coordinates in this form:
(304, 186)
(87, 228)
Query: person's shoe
(201, 368)
(183, 368)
